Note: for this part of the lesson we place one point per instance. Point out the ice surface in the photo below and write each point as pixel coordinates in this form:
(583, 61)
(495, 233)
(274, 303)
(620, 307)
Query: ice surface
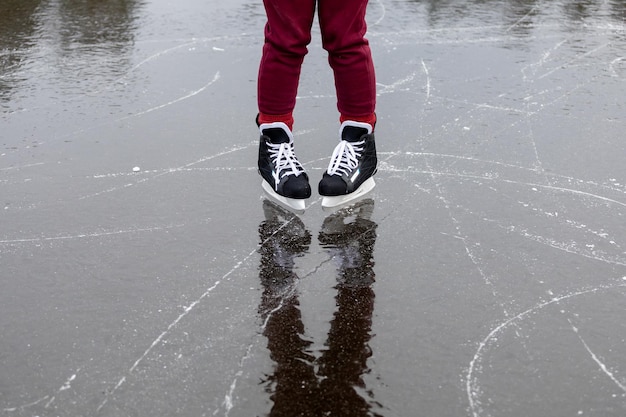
(483, 276)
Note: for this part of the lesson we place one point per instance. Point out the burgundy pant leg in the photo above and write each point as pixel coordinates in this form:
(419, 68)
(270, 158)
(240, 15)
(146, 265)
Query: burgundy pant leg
(287, 34)
(343, 27)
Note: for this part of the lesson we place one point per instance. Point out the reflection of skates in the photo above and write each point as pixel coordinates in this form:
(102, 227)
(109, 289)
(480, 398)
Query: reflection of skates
(283, 237)
(349, 236)
(352, 166)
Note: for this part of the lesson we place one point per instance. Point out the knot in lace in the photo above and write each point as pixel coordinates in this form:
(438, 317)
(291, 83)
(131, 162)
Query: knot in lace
(345, 157)
(284, 160)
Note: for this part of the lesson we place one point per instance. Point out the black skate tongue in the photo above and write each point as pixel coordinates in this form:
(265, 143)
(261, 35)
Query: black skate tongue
(276, 135)
(352, 133)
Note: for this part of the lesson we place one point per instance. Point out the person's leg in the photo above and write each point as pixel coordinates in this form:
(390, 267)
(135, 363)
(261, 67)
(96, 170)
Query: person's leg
(343, 35)
(287, 34)
(353, 162)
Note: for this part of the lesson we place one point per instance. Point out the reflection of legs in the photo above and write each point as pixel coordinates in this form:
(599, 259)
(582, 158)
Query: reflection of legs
(283, 237)
(293, 379)
(345, 361)
(349, 236)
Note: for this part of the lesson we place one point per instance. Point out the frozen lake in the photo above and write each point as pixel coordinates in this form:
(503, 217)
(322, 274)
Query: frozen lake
(485, 275)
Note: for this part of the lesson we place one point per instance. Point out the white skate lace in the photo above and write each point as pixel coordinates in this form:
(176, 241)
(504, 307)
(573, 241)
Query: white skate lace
(284, 160)
(345, 157)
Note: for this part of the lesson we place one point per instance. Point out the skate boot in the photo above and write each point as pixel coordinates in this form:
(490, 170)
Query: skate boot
(352, 165)
(284, 179)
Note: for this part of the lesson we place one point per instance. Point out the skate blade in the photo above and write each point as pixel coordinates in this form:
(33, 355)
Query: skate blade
(333, 203)
(295, 205)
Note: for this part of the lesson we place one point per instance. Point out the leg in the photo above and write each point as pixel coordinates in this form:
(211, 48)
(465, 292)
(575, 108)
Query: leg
(353, 163)
(343, 35)
(287, 34)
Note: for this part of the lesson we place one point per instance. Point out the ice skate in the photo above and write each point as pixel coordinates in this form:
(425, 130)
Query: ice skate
(352, 165)
(284, 179)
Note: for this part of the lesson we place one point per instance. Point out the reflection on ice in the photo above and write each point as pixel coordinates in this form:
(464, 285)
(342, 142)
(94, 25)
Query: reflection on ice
(66, 42)
(332, 384)
(501, 179)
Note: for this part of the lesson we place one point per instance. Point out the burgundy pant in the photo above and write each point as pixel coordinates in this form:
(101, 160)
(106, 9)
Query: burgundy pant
(287, 34)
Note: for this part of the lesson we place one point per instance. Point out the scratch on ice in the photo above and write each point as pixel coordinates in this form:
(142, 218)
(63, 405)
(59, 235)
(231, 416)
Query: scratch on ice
(472, 383)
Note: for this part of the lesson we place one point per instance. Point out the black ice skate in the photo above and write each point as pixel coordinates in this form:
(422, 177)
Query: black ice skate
(352, 165)
(284, 179)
